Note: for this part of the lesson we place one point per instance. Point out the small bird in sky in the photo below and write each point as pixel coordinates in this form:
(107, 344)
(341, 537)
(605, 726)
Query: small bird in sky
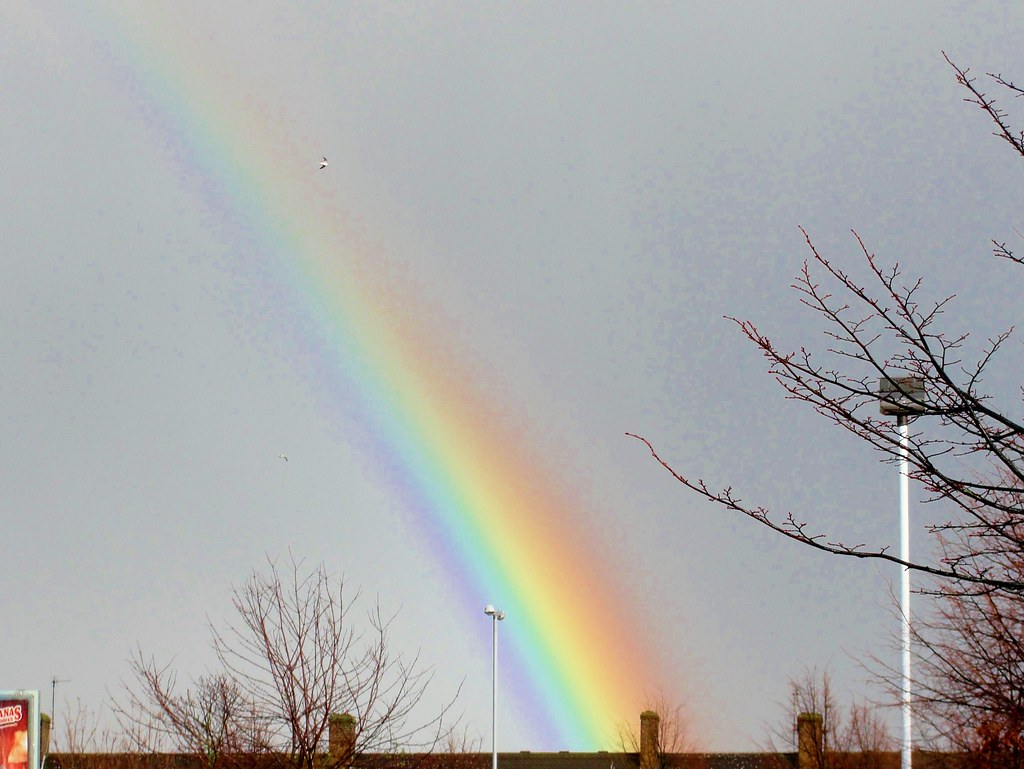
(283, 457)
(323, 164)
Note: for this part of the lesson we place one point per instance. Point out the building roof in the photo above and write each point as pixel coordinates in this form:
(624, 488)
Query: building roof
(519, 760)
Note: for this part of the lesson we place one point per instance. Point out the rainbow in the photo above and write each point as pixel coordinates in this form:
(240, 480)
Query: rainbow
(501, 527)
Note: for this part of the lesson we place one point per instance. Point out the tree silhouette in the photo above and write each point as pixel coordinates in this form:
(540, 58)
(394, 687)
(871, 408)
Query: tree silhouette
(292, 658)
(881, 334)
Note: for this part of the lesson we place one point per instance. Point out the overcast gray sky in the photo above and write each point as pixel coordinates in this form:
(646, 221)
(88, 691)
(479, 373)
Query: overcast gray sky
(581, 192)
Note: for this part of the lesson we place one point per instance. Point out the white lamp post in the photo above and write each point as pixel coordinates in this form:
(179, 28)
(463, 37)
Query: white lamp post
(903, 397)
(495, 615)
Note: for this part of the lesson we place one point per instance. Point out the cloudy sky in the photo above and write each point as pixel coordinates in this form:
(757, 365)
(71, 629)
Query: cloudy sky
(575, 196)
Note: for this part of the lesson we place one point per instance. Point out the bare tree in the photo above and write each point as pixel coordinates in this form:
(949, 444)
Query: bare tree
(673, 734)
(836, 738)
(969, 679)
(972, 454)
(969, 685)
(459, 750)
(86, 730)
(79, 730)
(298, 657)
(212, 719)
(969, 669)
(292, 657)
(810, 693)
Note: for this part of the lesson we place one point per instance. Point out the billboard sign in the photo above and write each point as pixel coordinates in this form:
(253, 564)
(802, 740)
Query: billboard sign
(19, 729)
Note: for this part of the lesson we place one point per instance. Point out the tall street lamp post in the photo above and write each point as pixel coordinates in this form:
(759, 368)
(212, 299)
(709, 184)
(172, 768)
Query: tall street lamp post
(903, 397)
(496, 615)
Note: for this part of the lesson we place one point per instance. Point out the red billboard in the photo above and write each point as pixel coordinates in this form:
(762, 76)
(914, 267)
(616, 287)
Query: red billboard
(19, 729)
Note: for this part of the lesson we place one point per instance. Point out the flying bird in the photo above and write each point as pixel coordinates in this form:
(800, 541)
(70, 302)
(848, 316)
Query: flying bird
(323, 164)
(283, 457)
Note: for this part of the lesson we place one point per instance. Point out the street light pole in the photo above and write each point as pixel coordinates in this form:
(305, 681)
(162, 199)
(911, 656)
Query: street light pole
(901, 423)
(496, 615)
(903, 398)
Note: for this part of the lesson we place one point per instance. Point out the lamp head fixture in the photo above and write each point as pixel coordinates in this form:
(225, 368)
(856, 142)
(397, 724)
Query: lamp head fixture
(490, 611)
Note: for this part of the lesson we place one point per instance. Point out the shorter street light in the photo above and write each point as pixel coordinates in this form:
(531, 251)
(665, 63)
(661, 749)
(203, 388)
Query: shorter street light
(904, 397)
(496, 615)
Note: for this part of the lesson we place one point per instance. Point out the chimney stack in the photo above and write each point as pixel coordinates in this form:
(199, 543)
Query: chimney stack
(809, 741)
(649, 728)
(44, 735)
(341, 739)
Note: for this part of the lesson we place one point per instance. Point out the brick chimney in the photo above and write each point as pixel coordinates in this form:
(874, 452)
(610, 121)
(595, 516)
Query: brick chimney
(341, 739)
(809, 741)
(649, 728)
